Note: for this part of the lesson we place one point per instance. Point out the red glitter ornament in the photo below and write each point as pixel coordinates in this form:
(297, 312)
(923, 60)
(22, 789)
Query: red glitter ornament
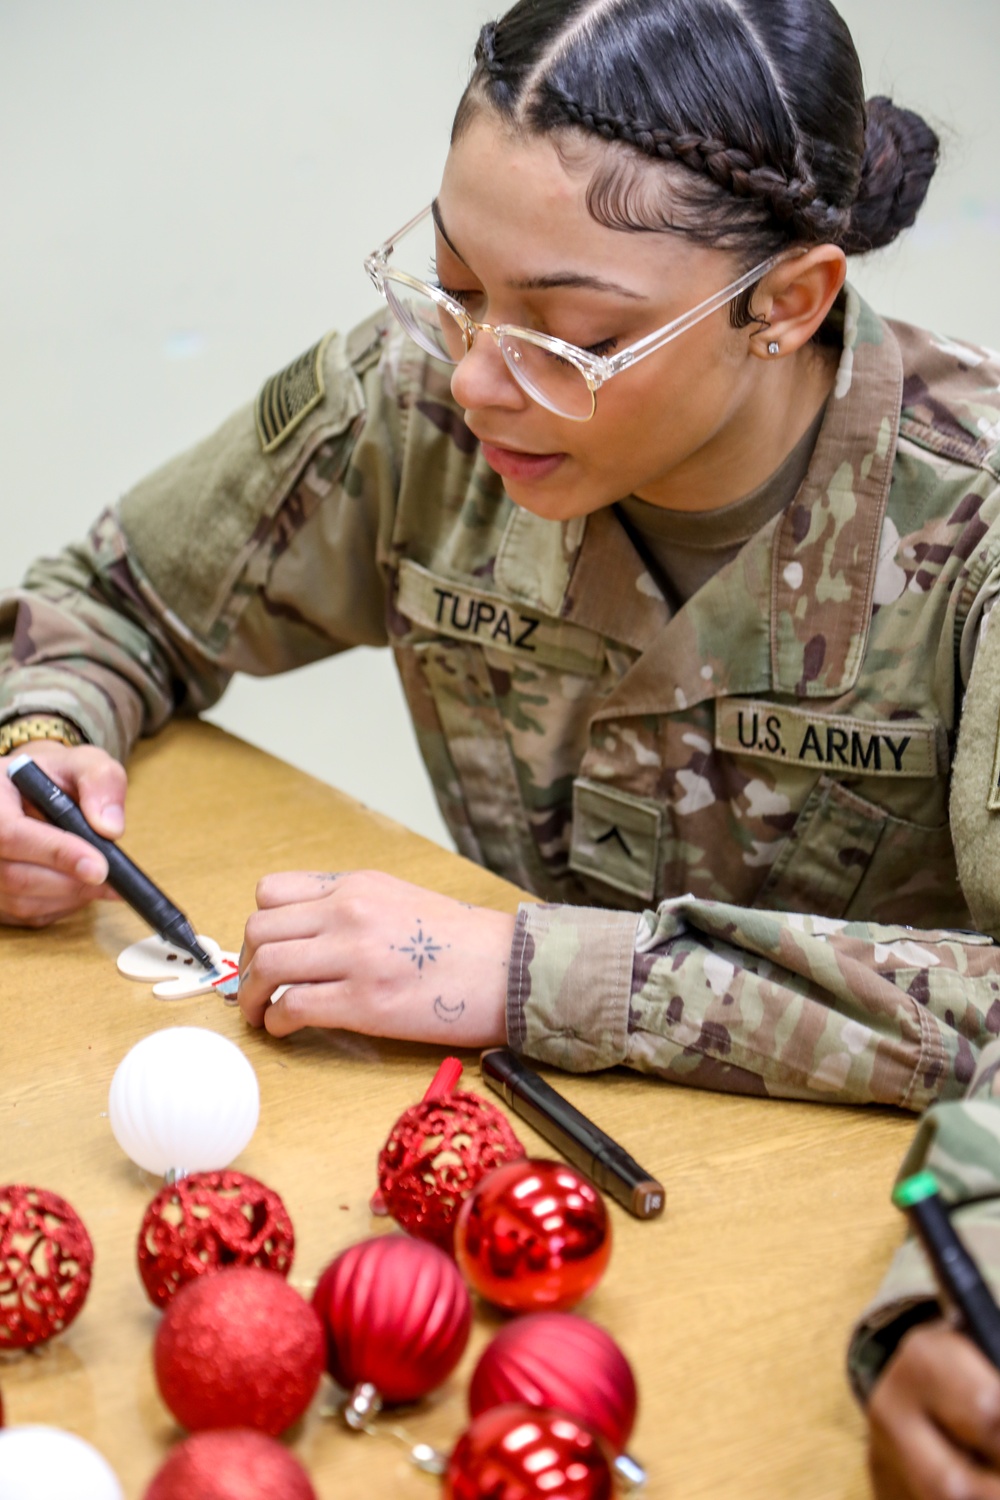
(521, 1453)
(231, 1465)
(238, 1348)
(436, 1153)
(45, 1263)
(209, 1221)
(533, 1236)
(561, 1360)
(397, 1316)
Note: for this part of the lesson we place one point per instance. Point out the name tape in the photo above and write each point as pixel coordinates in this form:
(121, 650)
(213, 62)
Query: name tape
(826, 742)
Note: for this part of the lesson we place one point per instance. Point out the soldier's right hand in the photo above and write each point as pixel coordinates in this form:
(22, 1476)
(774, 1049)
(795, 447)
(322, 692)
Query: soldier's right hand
(934, 1420)
(46, 873)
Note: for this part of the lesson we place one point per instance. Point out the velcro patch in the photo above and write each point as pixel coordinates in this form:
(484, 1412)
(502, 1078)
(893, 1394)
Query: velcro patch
(466, 614)
(993, 800)
(616, 838)
(826, 742)
(288, 397)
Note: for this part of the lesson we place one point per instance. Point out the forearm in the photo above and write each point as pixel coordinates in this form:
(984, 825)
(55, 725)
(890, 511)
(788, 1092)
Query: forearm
(754, 1002)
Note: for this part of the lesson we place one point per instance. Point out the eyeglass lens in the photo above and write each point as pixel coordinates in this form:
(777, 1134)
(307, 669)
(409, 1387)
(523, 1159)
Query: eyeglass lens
(549, 379)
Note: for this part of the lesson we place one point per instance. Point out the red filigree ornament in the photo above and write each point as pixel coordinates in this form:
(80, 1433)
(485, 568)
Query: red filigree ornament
(436, 1153)
(559, 1360)
(397, 1317)
(533, 1236)
(46, 1259)
(238, 1348)
(231, 1465)
(521, 1453)
(209, 1221)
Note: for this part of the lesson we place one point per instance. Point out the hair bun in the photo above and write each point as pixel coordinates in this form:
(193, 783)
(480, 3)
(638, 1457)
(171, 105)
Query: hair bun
(901, 157)
(486, 50)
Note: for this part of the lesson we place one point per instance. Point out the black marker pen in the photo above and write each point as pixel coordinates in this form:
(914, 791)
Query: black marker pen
(579, 1139)
(123, 876)
(958, 1275)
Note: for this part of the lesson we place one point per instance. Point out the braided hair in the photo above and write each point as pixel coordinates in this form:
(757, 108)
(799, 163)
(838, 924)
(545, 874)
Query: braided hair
(756, 109)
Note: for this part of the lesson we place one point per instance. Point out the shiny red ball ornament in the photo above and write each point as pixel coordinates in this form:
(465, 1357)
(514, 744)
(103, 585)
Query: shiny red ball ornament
(520, 1453)
(238, 1348)
(559, 1360)
(397, 1316)
(436, 1153)
(231, 1465)
(209, 1221)
(533, 1236)
(46, 1259)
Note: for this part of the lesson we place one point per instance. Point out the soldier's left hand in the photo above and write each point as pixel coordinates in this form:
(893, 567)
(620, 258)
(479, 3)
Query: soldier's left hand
(366, 952)
(934, 1420)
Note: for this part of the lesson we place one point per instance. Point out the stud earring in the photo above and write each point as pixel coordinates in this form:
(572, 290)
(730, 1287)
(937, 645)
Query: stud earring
(774, 347)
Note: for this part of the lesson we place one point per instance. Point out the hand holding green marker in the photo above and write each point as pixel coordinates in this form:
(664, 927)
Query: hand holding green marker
(957, 1273)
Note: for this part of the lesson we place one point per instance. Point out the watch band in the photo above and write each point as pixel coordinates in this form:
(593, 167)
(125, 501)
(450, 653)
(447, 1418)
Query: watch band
(22, 731)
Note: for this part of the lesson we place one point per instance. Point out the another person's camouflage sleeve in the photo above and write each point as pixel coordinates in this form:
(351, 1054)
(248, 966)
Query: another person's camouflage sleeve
(960, 1144)
(236, 556)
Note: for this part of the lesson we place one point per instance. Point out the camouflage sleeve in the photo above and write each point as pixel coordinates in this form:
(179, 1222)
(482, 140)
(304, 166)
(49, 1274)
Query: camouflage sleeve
(960, 1144)
(755, 1002)
(256, 551)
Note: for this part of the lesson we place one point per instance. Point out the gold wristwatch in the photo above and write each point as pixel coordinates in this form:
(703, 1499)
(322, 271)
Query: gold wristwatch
(22, 731)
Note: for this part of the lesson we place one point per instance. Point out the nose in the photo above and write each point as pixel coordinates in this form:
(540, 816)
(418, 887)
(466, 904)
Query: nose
(481, 378)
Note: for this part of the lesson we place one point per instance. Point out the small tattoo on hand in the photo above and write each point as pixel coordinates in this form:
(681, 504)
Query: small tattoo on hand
(420, 948)
(448, 1013)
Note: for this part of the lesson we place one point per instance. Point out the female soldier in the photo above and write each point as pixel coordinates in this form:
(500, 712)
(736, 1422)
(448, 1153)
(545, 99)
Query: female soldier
(686, 558)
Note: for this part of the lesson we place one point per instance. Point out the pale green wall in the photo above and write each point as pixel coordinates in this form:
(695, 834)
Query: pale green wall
(187, 190)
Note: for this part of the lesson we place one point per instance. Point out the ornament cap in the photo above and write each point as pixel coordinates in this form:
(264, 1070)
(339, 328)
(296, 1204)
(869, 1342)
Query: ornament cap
(364, 1403)
(631, 1475)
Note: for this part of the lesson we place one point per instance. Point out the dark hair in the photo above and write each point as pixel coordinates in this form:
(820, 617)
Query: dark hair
(757, 104)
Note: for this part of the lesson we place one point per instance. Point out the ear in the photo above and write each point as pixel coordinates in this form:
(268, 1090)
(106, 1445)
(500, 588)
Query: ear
(795, 298)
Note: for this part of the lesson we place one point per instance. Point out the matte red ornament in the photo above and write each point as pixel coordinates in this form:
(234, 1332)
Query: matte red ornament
(231, 1465)
(533, 1236)
(46, 1259)
(206, 1222)
(521, 1453)
(397, 1316)
(562, 1360)
(238, 1348)
(436, 1153)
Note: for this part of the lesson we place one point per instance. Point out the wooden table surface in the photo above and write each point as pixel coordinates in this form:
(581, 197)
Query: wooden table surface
(734, 1307)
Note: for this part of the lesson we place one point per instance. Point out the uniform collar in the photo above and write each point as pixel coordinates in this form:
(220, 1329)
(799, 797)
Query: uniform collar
(791, 613)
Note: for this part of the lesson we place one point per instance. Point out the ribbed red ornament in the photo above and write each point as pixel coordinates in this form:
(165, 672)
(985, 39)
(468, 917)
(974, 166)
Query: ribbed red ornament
(521, 1453)
(45, 1264)
(397, 1316)
(533, 1236)
(238, 1348)
(231, 1465)
(206, 1222)
(561, 1360)
(435, 1154)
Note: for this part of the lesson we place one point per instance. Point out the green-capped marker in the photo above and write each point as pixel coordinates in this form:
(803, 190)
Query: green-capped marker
(957, 1273)
(915, 1189)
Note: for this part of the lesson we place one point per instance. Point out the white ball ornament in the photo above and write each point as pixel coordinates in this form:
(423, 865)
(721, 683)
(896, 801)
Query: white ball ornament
(183, 1100)
(45, 1463)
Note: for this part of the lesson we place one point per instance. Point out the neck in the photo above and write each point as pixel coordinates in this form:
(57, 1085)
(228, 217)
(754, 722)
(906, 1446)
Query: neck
(754, 438)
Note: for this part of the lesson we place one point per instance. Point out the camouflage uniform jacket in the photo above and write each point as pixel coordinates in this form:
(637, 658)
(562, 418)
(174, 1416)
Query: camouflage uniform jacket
(727, 810)
(960, 1144)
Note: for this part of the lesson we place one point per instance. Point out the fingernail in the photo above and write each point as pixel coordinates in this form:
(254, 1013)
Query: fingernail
(91, 871)
(113, 818)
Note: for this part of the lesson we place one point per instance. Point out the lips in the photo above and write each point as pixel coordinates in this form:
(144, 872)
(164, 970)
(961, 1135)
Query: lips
(513, 463)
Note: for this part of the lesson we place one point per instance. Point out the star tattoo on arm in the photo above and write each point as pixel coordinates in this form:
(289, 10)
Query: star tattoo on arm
(421, 948)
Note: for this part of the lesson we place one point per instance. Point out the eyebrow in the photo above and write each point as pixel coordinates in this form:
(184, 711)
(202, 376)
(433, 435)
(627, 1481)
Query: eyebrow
(554, 279)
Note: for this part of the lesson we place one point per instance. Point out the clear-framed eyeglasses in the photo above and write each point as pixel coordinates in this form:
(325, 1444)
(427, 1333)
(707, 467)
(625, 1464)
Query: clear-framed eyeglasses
(558, 375)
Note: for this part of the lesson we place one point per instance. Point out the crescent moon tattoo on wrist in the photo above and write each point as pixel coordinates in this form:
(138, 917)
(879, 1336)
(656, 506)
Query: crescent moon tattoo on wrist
(448, 1013)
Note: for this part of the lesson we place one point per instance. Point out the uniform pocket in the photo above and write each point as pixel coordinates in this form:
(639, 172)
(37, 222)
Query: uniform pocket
(848, 857)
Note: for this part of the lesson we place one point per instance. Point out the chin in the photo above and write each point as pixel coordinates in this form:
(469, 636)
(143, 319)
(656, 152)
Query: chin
(565, 502)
